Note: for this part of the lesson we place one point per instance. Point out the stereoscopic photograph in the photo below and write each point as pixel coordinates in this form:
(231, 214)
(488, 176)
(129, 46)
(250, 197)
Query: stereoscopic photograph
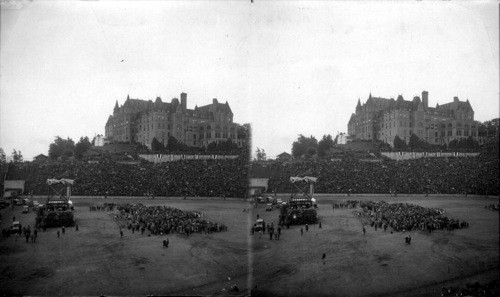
(249, 148)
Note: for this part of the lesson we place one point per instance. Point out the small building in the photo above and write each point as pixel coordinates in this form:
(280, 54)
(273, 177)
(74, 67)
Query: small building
(284, 156)
(100, 140)
(343, 138)
(257, 186)
(40, 158)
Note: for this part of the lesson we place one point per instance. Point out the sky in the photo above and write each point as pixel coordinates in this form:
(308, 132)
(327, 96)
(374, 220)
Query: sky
(286, 67)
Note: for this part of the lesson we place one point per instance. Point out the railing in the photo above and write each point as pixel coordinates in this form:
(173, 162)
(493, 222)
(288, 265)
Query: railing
(160, 158)
(418, 155)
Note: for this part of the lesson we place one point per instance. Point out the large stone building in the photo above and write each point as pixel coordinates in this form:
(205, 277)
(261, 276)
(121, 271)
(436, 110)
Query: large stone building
(142, 120)
(382, 119)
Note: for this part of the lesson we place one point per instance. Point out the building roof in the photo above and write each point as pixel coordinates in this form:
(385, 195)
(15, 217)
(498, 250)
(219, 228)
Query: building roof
(284, 155)
(141, 107)
(383, 104)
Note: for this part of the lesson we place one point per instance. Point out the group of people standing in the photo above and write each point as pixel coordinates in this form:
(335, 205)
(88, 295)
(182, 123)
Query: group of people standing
(164, 220)
(405, 217)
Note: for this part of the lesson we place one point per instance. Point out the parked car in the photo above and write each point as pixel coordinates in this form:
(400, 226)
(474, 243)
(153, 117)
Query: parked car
(15, 227)
(269, 207)
(4, 204)
(26, 209)
(259, 225)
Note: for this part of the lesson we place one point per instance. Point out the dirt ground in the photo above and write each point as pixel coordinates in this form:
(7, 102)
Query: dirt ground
(379, 263)
(95, 260)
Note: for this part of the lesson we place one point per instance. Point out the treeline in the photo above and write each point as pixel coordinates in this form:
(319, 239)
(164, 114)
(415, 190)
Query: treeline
(310, 146)
(66, 148)
(173, 145)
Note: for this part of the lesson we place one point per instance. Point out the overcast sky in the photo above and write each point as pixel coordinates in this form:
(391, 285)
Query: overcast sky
(288, 67)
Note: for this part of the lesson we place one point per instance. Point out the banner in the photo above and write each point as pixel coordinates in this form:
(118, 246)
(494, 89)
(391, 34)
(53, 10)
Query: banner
(63, 181)
(295, 179)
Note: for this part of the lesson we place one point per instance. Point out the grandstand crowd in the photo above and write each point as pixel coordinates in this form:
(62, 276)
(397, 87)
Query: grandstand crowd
(164, 220)
(404, 216)
(204, 178)
(456, 175)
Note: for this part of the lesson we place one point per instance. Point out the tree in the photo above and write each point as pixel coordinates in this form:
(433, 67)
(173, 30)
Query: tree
(260, 155)
(17, 156)
(244, 131)
(399, 144)
(228, 145)
(300, 146)
(212, 146)
(61, 147)
(325, 144)
(3, 158)
(311, 151)
(174, 145)
(416, 143)
(156, 146)
(82, 146)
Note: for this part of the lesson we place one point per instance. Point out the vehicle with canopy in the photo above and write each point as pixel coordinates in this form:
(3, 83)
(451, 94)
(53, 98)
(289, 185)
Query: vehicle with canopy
(301, 208)
(59, 200)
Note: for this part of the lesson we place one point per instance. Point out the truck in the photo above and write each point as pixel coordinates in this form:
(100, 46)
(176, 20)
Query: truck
(15, 227)
(259, 225)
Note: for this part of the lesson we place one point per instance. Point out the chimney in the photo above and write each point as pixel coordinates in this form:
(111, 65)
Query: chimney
(425, 99)
(184, 100)
(455, 99)
(215, 101)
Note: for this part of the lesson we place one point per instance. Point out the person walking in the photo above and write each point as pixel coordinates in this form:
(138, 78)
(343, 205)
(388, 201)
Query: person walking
(307, 228)
(58, 234)
(121, 233)
(35, 235)
(301, 231)
(63, 230)
(364, 230)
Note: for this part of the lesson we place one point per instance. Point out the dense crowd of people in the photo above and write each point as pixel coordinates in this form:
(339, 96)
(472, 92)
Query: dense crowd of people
(164, 220)
(404, 216)
(474, 290)
(204, 178)
(458, 175)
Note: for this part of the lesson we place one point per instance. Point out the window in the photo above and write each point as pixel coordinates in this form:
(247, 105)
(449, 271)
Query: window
(449, 132)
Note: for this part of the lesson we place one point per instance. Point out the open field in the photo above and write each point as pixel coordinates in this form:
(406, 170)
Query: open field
(380, 263)
(95, 260)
